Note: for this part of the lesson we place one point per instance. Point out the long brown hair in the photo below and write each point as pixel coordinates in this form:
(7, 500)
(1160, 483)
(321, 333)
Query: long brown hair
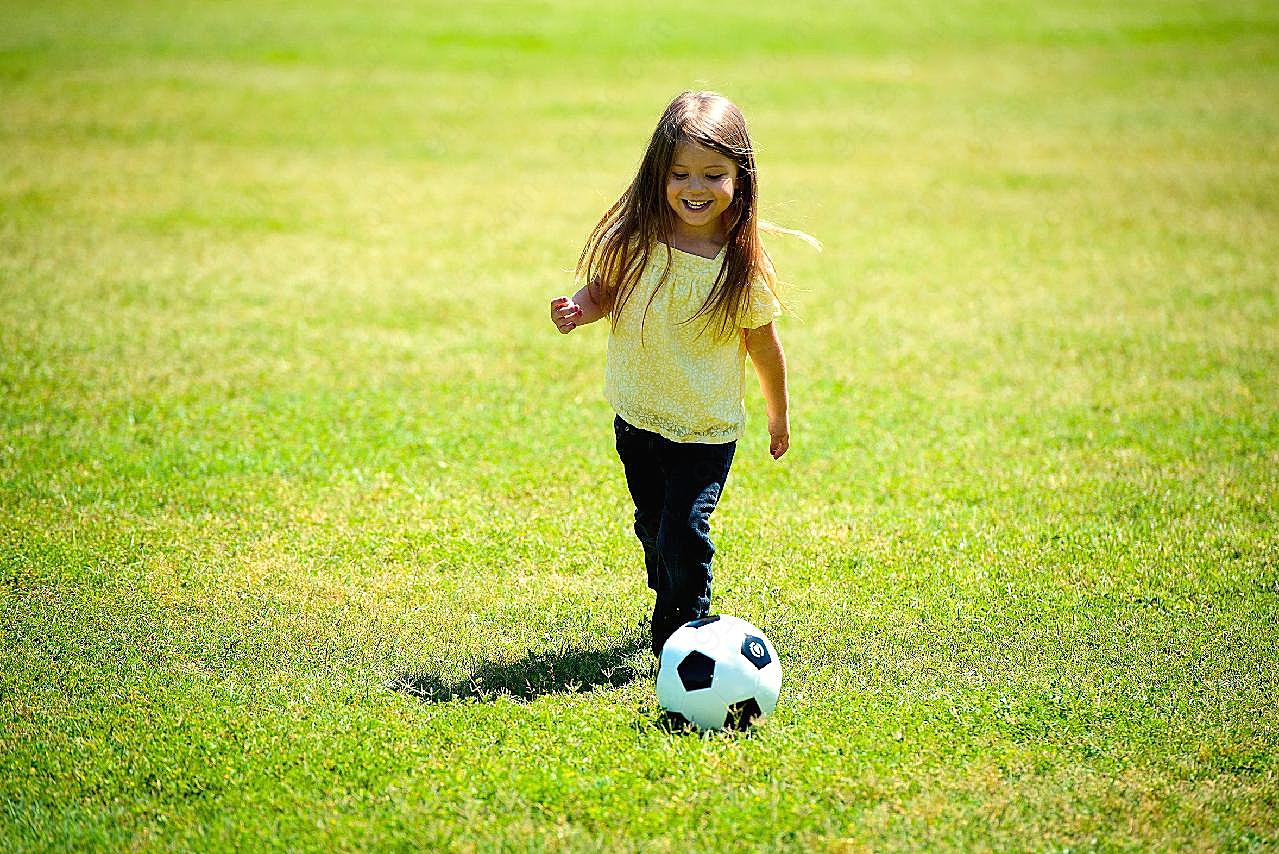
(622, 242)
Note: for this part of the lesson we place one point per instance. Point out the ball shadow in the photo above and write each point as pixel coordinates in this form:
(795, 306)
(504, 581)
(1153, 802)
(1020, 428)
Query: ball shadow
(539, 674)
(672, 723)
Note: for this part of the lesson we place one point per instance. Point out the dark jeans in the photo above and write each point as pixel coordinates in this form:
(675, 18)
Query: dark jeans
(675, 486)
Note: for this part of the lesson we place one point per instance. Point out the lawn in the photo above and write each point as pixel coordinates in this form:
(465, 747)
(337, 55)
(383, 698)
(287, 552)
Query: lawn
(312, 536)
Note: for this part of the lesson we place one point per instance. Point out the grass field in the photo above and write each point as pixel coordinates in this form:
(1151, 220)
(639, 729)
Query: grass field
(311, 531)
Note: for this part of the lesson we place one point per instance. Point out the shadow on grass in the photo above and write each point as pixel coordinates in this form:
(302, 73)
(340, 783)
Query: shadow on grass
(673, 724)
(539, 674)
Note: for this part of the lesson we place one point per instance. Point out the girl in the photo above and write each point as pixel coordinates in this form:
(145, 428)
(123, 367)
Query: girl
(677, 266)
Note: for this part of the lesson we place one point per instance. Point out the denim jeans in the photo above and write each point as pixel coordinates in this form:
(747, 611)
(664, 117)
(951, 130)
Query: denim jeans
(675, 487)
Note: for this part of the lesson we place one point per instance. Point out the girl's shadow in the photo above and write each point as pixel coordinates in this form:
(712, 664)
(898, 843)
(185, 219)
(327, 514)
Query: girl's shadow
(538, 674)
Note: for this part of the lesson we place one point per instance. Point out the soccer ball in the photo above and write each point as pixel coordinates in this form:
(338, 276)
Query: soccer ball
(718, 672)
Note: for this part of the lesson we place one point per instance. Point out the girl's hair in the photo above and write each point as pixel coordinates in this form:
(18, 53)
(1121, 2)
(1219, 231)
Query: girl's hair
(622, 242)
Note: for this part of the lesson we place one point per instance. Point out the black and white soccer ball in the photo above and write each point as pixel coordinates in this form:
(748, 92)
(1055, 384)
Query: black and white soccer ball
(718, 672)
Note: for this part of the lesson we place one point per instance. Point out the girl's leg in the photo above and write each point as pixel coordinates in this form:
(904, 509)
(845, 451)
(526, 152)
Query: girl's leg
(695, 477)
(646, 480)
(675, 486)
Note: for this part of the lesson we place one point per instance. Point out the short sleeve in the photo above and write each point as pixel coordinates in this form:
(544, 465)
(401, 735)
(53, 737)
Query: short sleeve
(764, 307)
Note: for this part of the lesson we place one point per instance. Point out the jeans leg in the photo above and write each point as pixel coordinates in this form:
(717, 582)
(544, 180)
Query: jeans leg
(647, 485)
(695, 482)
(675, 486)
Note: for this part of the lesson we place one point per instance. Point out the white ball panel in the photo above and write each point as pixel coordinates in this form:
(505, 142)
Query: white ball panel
(705, 709)
(679, 644)
(736, 679)
(770, 687)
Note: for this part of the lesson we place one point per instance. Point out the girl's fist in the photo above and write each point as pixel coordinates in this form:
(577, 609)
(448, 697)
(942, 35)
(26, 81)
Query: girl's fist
(778, 437)
(564, 314)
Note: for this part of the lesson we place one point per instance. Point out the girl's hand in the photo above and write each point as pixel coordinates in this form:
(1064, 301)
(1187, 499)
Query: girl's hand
(565, 314)
(778, 436)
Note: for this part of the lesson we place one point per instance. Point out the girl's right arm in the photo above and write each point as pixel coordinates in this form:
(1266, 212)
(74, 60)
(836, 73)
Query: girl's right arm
(568, 313)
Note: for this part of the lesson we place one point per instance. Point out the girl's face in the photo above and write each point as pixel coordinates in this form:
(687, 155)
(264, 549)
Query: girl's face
(699, 188)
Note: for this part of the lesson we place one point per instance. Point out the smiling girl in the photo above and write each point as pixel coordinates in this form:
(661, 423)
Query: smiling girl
(677, 266)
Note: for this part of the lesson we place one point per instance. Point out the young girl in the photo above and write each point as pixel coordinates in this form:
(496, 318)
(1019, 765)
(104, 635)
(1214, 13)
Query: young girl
(677, 266)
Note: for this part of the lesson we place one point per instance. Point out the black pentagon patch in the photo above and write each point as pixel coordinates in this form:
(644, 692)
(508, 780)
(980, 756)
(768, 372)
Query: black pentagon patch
(742, 715)
(704, 621)
(696, 670)
(756, 652)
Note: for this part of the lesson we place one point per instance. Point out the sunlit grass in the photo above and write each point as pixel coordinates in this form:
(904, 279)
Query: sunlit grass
(312, 535)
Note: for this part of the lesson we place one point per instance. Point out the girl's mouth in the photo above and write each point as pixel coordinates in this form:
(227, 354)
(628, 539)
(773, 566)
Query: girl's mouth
(696, 206)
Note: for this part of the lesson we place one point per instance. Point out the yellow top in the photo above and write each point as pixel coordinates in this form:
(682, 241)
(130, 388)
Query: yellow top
(677, 378)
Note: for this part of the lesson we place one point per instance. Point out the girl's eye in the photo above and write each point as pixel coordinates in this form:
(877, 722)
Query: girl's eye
(679, 176)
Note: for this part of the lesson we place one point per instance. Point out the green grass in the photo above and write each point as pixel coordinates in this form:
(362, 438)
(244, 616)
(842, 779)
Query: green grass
(311, 532)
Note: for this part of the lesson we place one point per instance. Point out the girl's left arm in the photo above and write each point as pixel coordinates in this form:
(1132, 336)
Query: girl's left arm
(765, 350)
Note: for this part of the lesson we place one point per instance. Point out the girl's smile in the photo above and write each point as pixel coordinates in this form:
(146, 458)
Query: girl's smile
(699, 188)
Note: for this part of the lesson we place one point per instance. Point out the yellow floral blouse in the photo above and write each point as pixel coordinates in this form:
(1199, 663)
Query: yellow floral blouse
(673, 377)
